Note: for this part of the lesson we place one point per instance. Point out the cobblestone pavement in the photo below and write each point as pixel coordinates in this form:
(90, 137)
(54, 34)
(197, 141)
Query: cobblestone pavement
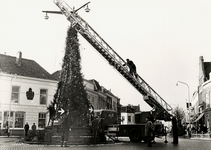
(184, 144)
(9, 140)
(22, 146)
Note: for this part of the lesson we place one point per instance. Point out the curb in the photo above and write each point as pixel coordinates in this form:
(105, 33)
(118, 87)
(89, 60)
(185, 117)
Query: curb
(201, 139)
(10, 137)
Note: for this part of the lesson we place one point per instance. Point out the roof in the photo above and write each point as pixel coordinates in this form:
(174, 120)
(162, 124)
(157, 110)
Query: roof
(207, 68)
(56, 75)
(28, 68)
(96, 85)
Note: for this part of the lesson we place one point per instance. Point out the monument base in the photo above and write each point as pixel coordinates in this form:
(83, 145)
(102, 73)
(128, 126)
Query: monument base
(77, 136)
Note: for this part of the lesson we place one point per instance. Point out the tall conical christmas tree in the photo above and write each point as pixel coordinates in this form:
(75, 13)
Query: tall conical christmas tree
(72, 95)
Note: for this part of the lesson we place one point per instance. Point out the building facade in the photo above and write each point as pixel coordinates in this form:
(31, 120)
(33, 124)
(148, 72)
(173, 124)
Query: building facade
(26, 90)
(98, 96)
(202, 106)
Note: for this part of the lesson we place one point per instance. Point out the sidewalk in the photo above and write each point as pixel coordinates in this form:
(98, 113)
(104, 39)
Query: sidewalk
(18, 139)
(10, 140)
(201, 136)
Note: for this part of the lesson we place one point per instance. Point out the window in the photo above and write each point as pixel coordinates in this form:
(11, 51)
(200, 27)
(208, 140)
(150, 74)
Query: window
(114, 106)
(42, 120)
(43, 96)
(93, 99)
(88, 97)
(129, 118)
(109, 102)
(19, 119)
(207, 99)
(16, 119)
(6, 118)
(15, 94)
(123, 118)
(0, 115)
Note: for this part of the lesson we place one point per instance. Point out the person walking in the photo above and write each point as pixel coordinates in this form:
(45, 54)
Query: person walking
(7, 131)
(174, 130)
(132, 67)
(149, 132)
(26, 128)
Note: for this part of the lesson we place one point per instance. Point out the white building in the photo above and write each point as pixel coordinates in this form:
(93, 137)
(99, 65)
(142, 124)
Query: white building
(18, 77)
(127, 118)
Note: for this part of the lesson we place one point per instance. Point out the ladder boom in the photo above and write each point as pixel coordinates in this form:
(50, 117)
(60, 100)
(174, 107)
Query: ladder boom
(150, 96)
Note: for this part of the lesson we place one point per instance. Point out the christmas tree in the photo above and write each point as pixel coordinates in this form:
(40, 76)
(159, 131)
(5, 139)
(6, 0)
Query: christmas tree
(71, 95)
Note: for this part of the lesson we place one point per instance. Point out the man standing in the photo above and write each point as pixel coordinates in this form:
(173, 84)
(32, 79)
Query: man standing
(149, 132)
(132, 67)
(174, 130)
(204, 129)
(34, 130)
(26, 128)
(65, 131)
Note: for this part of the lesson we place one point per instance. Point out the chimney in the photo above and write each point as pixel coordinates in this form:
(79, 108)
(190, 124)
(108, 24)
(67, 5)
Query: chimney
(19, 58)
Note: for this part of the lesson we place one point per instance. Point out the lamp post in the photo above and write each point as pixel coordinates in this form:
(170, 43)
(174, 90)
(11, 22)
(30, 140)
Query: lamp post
(14, 76)
(188, 104)
(74, 11)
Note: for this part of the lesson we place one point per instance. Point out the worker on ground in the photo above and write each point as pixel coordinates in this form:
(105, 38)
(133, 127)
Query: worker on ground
(174, 130)
(149, 131)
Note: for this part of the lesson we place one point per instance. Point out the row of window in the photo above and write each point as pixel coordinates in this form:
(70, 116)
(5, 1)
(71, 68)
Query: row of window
(208, 99)
(15, 97)
(103, 103)
(17, 119)
(129, 119)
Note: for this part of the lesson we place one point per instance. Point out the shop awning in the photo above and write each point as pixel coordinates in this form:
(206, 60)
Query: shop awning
(199, 117)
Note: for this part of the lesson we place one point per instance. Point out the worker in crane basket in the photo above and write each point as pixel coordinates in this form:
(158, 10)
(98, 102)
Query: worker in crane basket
(132, 67)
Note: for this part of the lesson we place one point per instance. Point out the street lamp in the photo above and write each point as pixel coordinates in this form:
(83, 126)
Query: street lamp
(188, 104)
(74, 11)
(14, 76)
(52, 12)
(86, 9)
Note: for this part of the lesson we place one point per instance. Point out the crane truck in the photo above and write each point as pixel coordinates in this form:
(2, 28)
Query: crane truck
(105, 121)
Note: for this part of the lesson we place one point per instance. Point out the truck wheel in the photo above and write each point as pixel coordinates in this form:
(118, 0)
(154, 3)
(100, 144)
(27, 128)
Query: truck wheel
(135, 135)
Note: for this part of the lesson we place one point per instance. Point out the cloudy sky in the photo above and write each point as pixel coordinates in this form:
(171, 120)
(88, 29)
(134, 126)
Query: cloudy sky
(164, 39)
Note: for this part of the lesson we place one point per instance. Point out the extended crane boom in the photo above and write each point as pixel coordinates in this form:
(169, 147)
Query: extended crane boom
(150, 96)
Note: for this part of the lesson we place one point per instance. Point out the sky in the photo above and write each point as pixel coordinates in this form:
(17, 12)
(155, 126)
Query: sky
(164, 38)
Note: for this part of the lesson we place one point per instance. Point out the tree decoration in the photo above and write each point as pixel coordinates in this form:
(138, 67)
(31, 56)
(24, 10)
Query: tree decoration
(71, 95)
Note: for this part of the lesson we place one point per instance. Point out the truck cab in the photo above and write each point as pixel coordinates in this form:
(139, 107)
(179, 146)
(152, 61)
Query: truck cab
(105, 123)
(136, 131)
